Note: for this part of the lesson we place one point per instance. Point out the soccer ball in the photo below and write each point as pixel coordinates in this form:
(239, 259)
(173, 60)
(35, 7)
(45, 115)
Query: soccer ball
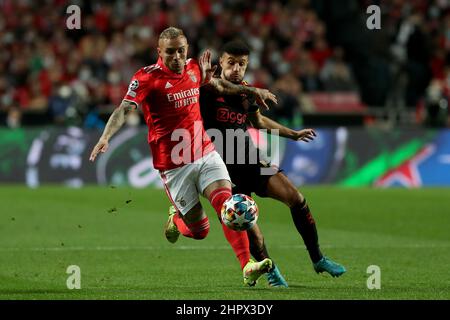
(239, 212)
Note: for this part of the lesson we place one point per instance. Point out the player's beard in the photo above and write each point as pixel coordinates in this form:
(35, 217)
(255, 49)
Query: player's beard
(236, 79)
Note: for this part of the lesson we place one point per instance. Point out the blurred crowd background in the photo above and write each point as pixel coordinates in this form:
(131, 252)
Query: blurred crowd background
(305, 51)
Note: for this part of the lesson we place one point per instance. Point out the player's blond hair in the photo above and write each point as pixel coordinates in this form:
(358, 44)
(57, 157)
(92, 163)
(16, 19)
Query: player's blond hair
(171, 33)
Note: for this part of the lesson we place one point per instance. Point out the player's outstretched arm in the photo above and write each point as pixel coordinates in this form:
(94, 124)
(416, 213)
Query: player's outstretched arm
(262, 122)
(224, 87)
(115, 122)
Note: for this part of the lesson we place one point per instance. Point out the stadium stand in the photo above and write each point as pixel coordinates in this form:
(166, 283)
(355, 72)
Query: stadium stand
(318, 56)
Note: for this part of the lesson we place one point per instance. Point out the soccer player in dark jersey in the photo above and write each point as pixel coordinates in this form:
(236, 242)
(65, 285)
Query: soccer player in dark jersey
(225, 112)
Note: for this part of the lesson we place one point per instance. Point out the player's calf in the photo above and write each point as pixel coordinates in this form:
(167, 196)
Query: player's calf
(199, 229)
(256, 240)
(306, 226)
(175, 225)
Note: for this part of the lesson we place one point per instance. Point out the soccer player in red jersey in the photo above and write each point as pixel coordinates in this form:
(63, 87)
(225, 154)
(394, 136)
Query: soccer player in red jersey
(168, 93)
(231, 113)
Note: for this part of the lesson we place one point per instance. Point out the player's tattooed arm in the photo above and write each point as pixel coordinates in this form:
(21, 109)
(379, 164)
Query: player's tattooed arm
(262, 122)
(115, 122)
(224, 87)
(117, 119)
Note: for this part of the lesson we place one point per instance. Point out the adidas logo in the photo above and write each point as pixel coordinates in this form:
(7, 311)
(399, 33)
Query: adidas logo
(168, 85)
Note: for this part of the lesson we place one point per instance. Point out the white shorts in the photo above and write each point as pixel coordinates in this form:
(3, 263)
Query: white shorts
(184, 184)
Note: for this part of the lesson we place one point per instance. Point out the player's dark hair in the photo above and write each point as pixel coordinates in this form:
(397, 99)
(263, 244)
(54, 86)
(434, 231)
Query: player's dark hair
(171, 33)
(235, 48)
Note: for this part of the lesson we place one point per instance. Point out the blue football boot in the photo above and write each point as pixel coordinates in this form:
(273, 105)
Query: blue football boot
(275, 278)
(328, 265)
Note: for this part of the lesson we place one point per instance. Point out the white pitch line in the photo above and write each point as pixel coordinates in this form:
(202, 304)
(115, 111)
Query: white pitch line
(152, 248)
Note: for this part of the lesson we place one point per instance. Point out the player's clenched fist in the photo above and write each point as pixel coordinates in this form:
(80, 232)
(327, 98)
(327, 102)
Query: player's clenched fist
(101, 146)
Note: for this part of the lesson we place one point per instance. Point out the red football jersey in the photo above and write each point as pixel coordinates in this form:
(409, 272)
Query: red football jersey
(170, 103)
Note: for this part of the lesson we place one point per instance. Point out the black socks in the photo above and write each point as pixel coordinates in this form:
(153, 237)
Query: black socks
(306, 226)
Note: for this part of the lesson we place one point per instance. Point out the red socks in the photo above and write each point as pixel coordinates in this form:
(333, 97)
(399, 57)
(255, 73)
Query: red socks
(197, 230)
(238, 240)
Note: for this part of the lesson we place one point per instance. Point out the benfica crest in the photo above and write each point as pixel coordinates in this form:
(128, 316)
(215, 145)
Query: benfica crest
(192, 76)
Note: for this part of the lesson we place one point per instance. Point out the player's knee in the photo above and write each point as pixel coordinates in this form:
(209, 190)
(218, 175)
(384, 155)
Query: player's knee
(294, 198)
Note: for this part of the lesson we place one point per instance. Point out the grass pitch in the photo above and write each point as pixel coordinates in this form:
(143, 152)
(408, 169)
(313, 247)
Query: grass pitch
(115, 236)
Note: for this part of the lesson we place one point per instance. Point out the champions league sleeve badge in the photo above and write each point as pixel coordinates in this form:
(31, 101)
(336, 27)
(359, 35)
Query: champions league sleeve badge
(133, 85)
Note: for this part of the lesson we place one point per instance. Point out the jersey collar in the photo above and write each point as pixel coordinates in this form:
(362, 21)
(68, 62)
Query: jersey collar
(170, 72)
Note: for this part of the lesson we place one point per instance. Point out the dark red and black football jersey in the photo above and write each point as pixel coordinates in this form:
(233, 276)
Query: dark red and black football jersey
(228, 114)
